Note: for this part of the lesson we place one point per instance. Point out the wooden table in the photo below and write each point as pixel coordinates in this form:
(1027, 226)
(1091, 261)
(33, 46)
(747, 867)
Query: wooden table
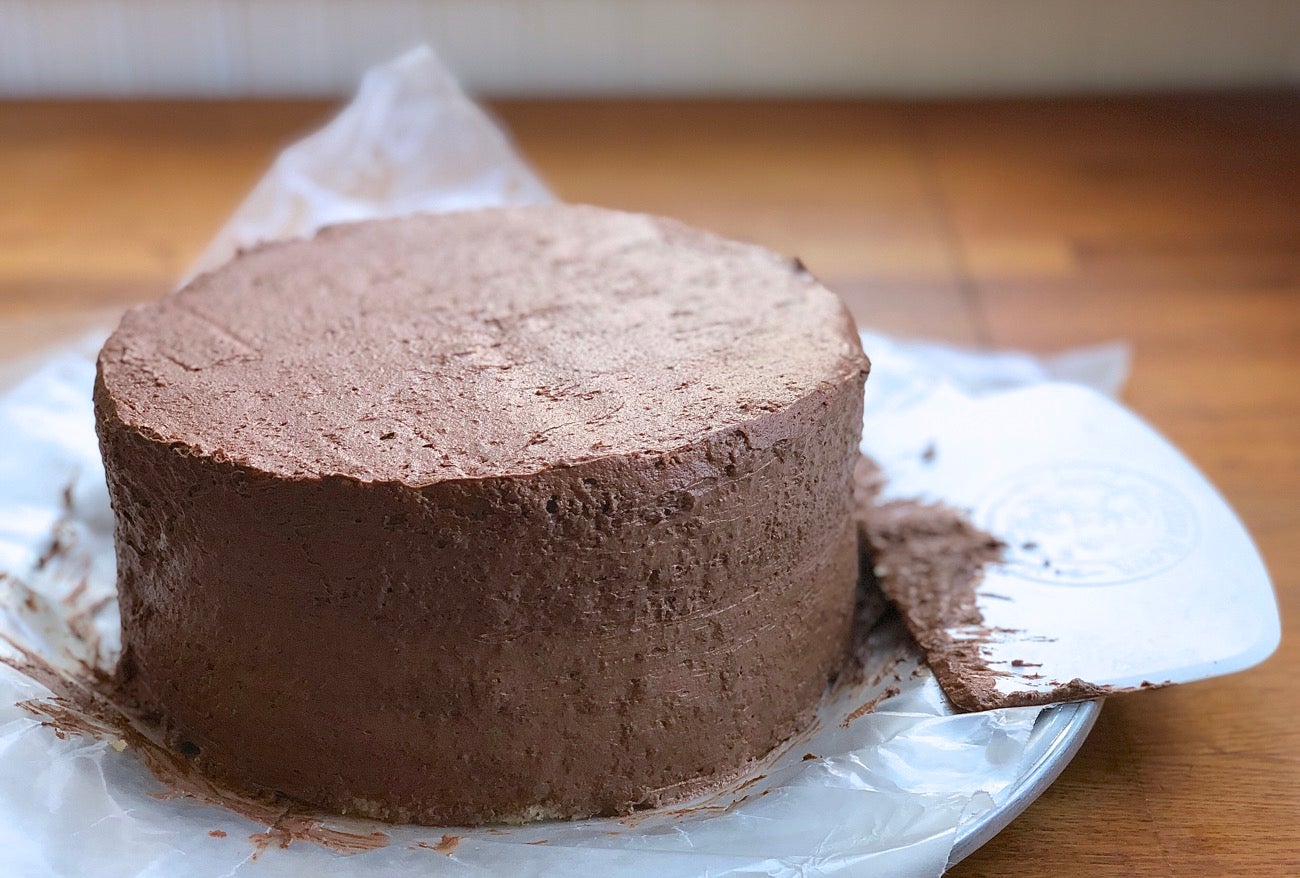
(1173, 223)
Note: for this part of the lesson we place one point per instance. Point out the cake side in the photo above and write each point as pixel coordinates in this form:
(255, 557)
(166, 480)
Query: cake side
(574, 642)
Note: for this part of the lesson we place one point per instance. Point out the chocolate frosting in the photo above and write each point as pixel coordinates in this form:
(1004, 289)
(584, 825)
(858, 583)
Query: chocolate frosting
(928, 560)
(498, 515)
(482, 344)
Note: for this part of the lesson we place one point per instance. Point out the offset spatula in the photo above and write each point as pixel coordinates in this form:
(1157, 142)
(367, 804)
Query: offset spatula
(1123, 566)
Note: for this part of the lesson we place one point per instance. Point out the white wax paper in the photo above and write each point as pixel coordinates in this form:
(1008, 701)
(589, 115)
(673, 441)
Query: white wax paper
(409, 142)
(883, 795)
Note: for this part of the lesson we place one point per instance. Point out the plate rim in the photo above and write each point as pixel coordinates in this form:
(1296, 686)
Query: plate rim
(1057, 736)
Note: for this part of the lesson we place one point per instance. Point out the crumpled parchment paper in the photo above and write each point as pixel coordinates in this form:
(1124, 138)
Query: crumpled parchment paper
(880, 793)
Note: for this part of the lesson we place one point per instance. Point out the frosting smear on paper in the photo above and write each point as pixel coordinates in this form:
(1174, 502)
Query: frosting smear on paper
(928, 559)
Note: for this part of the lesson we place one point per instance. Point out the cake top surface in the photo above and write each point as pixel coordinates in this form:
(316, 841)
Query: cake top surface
(491, 342)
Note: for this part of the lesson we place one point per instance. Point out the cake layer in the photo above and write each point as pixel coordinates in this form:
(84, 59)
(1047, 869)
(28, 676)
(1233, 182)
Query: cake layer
(487, 516)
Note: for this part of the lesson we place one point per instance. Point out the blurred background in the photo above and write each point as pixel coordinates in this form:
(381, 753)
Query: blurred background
(710, 47)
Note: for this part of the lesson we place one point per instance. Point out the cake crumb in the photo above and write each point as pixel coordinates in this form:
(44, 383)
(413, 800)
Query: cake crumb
(890, 692)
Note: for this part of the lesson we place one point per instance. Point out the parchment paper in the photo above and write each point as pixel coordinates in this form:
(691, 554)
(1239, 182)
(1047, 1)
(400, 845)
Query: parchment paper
(880, 794)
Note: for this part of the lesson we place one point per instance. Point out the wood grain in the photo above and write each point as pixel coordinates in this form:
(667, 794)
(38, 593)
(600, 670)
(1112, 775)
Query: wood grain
(1170, 222)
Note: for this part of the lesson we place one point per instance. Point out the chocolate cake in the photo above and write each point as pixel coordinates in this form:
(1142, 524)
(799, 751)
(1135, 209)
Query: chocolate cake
(489, 516)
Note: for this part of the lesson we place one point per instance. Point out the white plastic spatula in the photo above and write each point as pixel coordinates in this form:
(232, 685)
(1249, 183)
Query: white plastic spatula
(1123, 566)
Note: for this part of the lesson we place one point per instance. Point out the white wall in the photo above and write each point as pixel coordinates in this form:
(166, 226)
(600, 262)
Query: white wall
(876, 47)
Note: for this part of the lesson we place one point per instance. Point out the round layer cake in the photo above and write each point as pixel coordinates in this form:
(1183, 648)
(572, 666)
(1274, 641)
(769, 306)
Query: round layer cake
(490, 516)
